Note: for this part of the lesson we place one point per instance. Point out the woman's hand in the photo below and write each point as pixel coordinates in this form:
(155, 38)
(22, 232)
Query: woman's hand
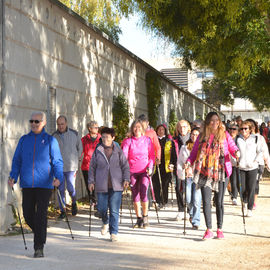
(171, 167)
(125, 184)
(91, 187)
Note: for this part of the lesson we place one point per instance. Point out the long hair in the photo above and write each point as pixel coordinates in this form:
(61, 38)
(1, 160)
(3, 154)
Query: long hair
(133, 125)
(219, 135)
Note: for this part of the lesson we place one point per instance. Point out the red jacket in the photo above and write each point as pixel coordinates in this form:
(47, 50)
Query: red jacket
(89, 147)
(153, 136)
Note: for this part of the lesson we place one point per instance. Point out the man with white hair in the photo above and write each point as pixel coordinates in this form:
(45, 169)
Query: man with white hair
(38, 162)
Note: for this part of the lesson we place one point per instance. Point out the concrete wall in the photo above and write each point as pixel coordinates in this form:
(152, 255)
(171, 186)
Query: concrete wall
(46, 46)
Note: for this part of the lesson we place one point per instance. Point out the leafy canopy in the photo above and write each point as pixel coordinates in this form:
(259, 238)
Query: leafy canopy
(100, 13)
(232, 37)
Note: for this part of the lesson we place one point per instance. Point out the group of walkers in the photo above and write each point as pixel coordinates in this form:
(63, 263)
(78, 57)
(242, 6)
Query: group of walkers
(202, 157)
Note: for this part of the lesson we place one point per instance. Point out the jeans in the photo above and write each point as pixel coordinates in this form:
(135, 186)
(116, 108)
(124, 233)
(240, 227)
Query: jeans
(112, 200)
(70, 179)
(193, 198)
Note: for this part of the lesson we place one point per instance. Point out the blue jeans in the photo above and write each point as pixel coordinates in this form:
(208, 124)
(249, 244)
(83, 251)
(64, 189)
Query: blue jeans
(69, 177)
(194, 198)
(112, 200)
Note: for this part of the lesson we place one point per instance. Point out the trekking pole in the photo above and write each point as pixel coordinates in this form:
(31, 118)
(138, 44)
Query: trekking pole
(185, 205)
(121, 210)
(241, 195)
(91, 203)
(16, 206)
(60, 198)
(153, 196)
(128, 202)
(160, 183)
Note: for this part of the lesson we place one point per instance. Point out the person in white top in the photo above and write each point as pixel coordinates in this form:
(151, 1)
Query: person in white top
(250, 156)
(193, 195)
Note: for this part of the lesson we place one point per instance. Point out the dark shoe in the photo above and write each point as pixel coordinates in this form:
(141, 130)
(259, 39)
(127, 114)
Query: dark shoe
(62, 215)
(38, 253)
(97, 214)
(145, 222)
(139, 223)
(195, 227)
(74, 210)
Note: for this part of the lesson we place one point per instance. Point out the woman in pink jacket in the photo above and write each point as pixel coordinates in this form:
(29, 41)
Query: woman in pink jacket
(140, 154)
(211, 154)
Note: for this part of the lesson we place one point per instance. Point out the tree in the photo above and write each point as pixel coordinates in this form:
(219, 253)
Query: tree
(100, 13)
(217, 92)
(232, 37)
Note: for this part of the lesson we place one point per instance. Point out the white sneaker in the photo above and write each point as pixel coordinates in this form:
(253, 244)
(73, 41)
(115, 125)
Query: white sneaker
(249, 213)
(179, 216)
(234, 202)
(245, 209)
(114, 237)
(104, 229)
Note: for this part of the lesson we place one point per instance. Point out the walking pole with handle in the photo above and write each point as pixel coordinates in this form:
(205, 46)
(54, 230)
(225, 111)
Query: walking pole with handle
(153, 196)
(185, 204)
(16, 206)
(241, 195)
(160, 183)
(91, 203)
(60, 198)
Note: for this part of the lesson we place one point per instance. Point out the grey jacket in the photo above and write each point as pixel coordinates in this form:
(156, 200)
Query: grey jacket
(100, 168)
(71, 148)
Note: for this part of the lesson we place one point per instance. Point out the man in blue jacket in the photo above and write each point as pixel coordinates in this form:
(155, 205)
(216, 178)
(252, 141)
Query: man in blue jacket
(38, 162)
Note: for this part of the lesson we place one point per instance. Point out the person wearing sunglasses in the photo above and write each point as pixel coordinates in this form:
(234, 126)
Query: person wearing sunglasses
(233, 131)
(71, 149)
(250, 156)
(39, 164)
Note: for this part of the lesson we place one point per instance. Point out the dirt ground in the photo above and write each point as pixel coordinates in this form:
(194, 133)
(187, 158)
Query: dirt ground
(161, 246)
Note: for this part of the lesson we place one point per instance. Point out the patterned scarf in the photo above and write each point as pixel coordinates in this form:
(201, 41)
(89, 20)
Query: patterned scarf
(209, 165)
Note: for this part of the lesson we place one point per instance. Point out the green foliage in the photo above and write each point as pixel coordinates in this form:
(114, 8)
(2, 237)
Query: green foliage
(217, 92)
(232, 37)
(121, 117)
(172, 121)
(155, 91)
(100, 13)
(198, 116)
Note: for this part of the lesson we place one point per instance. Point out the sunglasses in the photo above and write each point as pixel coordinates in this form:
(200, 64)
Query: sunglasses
(244, 128)
(233, 128)
(35, 121)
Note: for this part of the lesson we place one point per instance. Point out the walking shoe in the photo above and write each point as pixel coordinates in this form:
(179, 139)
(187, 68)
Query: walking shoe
(195, 227)
(114, 237)
(220, 234)
(208, 235)
(74, 209)
(254, 206)
(139, 223)
(38, 253)
(62, 215)
(104, 229)
(234, 202)
(179, 216)
(249, 213)
(145, 222)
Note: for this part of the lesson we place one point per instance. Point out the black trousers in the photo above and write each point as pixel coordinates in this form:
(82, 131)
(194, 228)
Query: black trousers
(35, 208)
(248, 181)
(85, 177)
(165, 180)
(180, 194)
(219, 200)
(234, 184)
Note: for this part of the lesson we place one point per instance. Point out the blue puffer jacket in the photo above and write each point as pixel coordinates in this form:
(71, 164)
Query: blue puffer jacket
(37, 160)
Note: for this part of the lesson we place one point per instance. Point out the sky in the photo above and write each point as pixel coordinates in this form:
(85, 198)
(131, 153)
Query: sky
(142, 43)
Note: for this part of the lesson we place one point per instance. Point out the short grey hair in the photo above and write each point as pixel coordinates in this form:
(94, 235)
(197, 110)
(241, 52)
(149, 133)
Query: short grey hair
(91, 123)
(43, 115)
(62, 116)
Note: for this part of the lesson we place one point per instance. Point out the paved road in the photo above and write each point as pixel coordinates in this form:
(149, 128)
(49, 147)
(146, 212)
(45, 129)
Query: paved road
(161, 246)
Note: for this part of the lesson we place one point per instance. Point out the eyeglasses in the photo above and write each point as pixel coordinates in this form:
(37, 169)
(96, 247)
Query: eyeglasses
(232, 128)
(35, 121)
(244, 128)
(94, 127)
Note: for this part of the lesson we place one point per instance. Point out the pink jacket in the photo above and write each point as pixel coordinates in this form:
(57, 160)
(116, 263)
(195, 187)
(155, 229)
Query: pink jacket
(140, 153)
(229, 148)
(153, 136)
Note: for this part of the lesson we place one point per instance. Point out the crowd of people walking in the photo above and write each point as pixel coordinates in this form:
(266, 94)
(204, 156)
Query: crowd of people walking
(200, 158)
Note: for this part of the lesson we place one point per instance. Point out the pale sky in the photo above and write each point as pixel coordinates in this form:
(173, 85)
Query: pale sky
(143, 44)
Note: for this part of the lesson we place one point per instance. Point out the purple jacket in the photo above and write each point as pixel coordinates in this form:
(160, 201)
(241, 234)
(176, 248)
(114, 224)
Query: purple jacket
(100, 168)
(229, 148)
